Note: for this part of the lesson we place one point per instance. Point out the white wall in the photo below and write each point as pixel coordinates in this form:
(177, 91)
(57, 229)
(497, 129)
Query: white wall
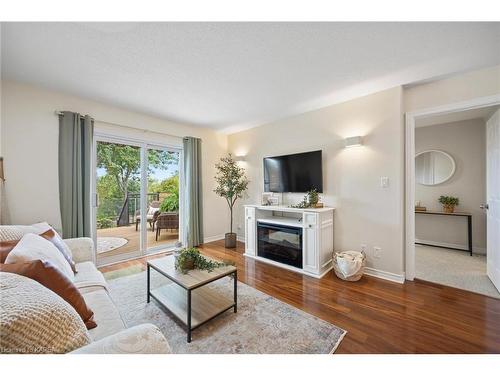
(465, 142)
(365, 212)
(30, 144)
(479, 83)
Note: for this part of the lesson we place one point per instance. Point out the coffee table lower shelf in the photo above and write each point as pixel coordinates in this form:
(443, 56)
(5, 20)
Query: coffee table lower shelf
(193, 308)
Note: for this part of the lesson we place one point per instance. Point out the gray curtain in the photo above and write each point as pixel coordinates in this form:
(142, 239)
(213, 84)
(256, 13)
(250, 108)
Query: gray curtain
(193, 197)
(75, 147)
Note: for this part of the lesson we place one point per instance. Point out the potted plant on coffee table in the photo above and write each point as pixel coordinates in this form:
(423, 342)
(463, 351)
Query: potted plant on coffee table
(190, 258)
(231, 185)
(448, 203)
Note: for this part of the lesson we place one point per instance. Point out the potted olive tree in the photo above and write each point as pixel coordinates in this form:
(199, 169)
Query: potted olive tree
(231, 185)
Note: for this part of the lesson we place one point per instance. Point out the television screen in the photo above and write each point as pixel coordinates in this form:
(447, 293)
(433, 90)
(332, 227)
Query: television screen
(295, 173)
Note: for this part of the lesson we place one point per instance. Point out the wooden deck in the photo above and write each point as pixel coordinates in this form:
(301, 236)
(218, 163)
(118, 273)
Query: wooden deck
(132, 246)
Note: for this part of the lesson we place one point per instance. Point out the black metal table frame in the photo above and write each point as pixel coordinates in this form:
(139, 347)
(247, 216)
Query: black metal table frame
(469, 230)
(189, 328)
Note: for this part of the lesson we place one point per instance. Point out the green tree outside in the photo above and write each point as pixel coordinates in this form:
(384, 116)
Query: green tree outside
(121, 164)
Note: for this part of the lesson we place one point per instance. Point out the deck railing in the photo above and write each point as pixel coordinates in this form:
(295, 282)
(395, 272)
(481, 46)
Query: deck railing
(131, 205)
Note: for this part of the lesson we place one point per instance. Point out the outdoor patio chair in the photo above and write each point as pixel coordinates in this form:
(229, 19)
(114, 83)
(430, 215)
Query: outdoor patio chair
(152, 214)
(166, 220)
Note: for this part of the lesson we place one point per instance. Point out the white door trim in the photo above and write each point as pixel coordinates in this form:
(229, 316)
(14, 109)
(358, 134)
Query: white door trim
(410, 119)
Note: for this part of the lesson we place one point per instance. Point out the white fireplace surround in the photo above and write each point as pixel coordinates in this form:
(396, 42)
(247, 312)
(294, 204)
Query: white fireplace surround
(317, 235)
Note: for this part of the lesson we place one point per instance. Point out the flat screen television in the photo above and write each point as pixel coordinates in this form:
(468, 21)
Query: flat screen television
(296, 173)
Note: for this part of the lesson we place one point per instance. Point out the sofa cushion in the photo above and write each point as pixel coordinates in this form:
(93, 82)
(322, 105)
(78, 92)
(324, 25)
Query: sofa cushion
(33, 319)
(50, 277)
(33, 247)
(106, 314)
(10, 233)
(141, 339)
(88, 277)
(82, 249)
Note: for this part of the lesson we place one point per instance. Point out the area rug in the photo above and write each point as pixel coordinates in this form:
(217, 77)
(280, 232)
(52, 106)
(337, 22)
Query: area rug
(105, 244)
(262, 324)
(122, 272)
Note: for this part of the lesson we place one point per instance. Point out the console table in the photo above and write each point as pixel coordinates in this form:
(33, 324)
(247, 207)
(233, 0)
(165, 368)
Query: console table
(460, 214)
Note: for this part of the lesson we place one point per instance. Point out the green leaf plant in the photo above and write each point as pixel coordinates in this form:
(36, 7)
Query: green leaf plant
(232, 182)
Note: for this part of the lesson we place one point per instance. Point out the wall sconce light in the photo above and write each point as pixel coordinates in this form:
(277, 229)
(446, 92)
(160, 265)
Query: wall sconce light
(2, 177)
(240, 158)
(353, 141)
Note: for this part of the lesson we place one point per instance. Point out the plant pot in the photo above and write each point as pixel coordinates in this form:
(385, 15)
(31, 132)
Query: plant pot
(187, 264)
(230, 240)
(449, 209)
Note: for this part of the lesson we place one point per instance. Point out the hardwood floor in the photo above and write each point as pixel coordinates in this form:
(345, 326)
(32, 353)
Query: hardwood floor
(380, 316)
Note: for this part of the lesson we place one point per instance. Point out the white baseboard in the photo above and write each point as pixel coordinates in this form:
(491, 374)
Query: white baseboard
(221, 237)
(394, 277)
(368, 271)
(213, 238)
(475, 249)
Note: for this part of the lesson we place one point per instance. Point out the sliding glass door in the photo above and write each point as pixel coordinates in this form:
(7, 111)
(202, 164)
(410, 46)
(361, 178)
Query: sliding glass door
(162, 198)
(137, 201)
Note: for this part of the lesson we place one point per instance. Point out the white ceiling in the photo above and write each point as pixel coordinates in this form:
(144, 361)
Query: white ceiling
(471, 114)
(232, 76)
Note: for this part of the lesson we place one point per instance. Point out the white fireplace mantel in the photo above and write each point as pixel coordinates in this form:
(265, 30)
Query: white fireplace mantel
(317, 235)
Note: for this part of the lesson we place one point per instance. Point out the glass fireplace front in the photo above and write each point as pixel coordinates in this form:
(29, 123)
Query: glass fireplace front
(280, 243)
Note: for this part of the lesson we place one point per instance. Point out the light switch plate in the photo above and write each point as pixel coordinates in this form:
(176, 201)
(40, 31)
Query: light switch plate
(384, 182)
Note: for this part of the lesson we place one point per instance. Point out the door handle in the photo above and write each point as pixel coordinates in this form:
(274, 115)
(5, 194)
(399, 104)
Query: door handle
(484, 206)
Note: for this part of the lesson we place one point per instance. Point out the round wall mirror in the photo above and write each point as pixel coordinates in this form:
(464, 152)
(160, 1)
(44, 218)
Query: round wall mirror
(433, 167)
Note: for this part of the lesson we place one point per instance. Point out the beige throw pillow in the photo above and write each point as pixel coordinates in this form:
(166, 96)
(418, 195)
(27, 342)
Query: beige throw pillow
(33, 319)
(10, 233)
(33, 247)
(16, 232)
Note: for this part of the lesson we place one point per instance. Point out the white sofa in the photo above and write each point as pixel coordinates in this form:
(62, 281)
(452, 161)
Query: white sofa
(111, 334)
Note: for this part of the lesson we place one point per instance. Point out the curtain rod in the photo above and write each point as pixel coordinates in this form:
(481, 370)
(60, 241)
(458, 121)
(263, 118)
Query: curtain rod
(59, 113)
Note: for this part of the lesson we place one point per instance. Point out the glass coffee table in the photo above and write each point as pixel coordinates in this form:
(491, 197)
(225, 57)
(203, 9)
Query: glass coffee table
(189, 297)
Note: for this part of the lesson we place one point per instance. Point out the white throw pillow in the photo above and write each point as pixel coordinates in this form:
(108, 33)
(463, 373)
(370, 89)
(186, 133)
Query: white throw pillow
(152, 210)
(33, 247)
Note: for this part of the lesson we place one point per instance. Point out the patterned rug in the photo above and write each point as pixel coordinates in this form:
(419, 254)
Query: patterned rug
(262, 324)
(105, 244)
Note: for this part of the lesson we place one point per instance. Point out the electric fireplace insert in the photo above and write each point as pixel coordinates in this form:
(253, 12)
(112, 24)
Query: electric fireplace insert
(280, 243)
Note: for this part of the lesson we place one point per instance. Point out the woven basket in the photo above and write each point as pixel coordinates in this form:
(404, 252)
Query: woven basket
(354, 277)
